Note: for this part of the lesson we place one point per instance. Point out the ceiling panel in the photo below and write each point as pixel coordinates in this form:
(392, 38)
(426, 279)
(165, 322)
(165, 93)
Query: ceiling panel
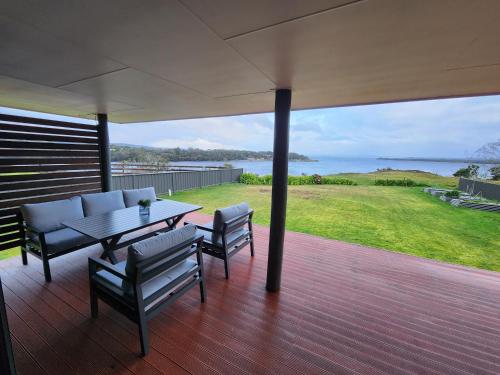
(20, 94)
(38, 57)
(159, 37)
(233, 17)
(166, 59)
(384, 47)
(136, 88)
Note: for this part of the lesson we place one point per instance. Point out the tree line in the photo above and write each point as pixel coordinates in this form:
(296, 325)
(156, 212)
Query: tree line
(151, 155)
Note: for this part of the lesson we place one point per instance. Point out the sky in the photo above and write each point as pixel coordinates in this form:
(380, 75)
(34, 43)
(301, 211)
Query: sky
(452, 128)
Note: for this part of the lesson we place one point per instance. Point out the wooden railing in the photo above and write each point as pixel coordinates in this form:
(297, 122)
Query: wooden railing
(126, 168)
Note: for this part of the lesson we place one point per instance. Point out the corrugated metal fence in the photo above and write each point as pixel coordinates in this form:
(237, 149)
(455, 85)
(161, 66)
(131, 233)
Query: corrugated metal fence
(487, 190)
(177, 181)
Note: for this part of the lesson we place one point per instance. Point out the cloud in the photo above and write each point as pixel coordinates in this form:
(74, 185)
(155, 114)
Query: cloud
(447, 128)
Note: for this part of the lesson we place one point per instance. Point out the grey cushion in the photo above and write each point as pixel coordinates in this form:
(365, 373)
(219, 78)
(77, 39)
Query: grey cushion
(100, 203)
(162, 243)
(131, 197)
(63, 239)
(224, 214)
(48, 216)
(231, 238)
(114, 283)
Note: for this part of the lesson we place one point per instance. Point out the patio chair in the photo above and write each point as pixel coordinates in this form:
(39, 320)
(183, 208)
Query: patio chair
(157, 271)
(228, 233)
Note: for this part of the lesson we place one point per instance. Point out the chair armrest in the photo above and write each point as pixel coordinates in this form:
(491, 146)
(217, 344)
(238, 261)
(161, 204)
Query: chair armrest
(95, 262)
(29, 229)
(200, 227)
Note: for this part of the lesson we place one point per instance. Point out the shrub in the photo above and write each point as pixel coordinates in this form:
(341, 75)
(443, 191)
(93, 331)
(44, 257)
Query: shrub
(471, 171)
(316, 179)
(337, 181)
(454, 194)
(495, 173)
(404, 182)
(300, 180)
(253, 179)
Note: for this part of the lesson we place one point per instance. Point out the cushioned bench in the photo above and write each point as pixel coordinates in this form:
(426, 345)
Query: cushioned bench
(157, 271)
(47, 237)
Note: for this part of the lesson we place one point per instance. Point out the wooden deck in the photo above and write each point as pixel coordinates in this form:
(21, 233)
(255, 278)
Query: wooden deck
(342, 309)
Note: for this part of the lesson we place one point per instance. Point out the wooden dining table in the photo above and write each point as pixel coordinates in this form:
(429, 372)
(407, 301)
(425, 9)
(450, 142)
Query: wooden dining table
(108, 228)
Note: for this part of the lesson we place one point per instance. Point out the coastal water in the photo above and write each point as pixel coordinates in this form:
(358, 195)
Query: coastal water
(332, 165)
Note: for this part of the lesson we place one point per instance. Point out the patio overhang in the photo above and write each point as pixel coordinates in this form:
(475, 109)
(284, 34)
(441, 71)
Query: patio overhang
(164, 60)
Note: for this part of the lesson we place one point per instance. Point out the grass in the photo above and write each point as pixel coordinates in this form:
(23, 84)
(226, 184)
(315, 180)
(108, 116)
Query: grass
(426, 178)
(399, 219)
(4, 254)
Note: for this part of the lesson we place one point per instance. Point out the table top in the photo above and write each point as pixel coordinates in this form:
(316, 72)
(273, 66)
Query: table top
(107, 225)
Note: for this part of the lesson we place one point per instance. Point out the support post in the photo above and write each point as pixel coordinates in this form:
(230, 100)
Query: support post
(280, 186)
(104, 151)
(7, 365)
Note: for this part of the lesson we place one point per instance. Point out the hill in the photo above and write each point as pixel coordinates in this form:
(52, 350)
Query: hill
(146, 154)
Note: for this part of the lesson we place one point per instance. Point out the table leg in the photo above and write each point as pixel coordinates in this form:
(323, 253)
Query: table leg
(109, 246)
(174, 221)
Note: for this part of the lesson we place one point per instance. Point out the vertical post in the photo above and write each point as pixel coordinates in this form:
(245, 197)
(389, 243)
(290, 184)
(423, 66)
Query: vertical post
(280, 186)
(7, 366)
(104, 151)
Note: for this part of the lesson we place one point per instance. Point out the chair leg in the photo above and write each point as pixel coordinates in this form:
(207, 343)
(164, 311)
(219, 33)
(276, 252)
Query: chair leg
(143, 334)
(46, 267)
(94, 307)
(24, 256)
(226, 266)
(203, 290)
(252, 252)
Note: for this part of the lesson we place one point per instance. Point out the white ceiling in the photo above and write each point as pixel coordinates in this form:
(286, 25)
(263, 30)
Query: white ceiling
(169, 59)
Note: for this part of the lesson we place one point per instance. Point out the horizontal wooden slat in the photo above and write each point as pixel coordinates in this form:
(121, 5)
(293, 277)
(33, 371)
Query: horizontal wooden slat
(8, 220)
(48, 145)
(48, 183)
(9, 211)
(46, 176)
(45, 137)
(15, 203)
(46, 168)
(52, 190)
(47, 153)
(46, 130)
(38, 161)
(39, 121)
(9, 237)
(9, 228)
(10, 245)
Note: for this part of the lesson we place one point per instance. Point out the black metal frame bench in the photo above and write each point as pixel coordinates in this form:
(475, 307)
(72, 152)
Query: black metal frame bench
(134, 306)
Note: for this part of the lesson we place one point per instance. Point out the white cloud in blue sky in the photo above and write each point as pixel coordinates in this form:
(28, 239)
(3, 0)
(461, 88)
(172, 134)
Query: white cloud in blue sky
(446, 128)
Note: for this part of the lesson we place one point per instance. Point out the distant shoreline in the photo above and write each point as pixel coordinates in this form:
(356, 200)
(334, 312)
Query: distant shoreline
(448, 160)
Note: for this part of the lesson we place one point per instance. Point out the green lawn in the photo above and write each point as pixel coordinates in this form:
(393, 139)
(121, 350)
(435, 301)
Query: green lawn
(427, 178)
(394, 218)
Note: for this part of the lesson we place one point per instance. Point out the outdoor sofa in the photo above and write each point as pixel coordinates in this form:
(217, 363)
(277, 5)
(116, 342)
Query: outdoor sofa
(47, 238)
(157, 271)
(229, 232)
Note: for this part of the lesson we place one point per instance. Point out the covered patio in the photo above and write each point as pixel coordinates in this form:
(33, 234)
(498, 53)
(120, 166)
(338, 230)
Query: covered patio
(342, 309)
(304, 304)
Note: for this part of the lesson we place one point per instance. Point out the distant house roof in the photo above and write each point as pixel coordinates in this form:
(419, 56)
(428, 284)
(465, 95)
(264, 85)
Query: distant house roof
(158, 60)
